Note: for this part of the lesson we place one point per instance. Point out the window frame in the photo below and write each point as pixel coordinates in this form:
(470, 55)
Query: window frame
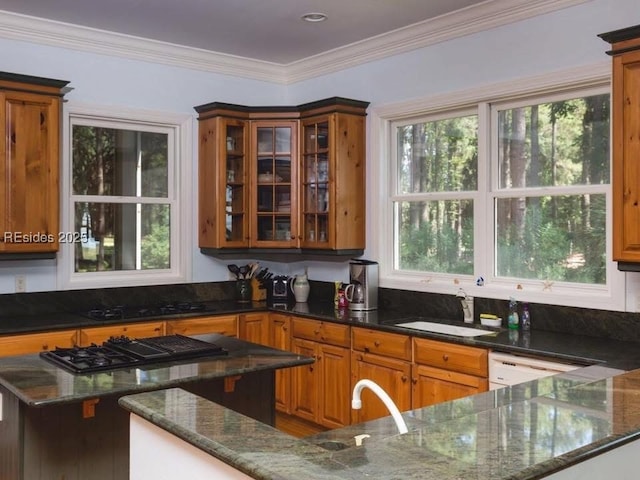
(580, 81)
(179, 195)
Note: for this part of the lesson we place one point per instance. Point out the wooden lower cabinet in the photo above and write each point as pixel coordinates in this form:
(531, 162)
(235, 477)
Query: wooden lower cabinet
(28, 343)
(320, 393)
(279, 333)
(97, 335)
(394, 376)
(384, 358)
(626, 392)
(435, 385)
(254, 327)
(224, 325)
(444, 371)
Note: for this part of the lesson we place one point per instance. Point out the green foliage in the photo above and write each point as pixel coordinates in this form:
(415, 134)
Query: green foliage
(107, 162)
(540, 235)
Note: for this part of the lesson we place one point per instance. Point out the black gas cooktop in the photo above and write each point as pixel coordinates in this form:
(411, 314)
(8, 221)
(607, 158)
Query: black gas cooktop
(122, 312)
(121, 352)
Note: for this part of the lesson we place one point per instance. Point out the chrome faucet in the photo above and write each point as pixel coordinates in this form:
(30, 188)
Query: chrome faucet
(356, 402)
(467, 305)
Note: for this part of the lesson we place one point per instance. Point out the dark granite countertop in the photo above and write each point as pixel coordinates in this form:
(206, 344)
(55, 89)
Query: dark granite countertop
(527, 432)
(458, 439)
(39, 383)
(581, 349)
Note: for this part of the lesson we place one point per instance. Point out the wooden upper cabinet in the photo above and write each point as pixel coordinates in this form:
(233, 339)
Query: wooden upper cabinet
(274, 185)
(302, 185)
(625, 117)
(223, 182)
(333, 181)
(30, 111)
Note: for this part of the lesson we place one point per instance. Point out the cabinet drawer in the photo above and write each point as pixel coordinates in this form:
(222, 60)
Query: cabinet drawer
(449, 356)
(324, 332)
(224, 325)
(36, 342)
(98, 335)
(382, 343)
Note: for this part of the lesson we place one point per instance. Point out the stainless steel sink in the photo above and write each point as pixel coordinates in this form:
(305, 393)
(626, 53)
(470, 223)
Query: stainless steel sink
(445, 328)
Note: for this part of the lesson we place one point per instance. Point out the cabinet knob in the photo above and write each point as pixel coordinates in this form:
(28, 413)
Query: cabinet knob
(414, 381)
(376, 343)
(445, 357)
(316, 332)
(45, 347)
(404, 378)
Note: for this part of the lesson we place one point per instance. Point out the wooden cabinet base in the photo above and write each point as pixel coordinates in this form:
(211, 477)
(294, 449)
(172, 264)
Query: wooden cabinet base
(61, 442)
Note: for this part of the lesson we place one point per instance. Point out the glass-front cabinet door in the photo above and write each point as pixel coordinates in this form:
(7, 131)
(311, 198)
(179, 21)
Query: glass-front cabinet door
(316, 182)
(236, 184)
(274, 196)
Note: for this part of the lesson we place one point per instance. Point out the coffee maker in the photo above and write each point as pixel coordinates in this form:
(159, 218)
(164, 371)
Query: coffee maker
(362, 291)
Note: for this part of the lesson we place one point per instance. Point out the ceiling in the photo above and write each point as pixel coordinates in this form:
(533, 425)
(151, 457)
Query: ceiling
(258, 39)
(266, 30)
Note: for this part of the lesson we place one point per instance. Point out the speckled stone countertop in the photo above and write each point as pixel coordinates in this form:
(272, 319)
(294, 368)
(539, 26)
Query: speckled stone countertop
(526, 432)
(39, 383)
(580, 349)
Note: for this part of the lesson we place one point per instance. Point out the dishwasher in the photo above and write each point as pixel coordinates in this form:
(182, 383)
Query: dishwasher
(508, 369)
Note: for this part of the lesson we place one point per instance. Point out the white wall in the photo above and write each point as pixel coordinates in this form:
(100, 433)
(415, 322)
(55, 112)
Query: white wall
(105, 80)
(547, 43)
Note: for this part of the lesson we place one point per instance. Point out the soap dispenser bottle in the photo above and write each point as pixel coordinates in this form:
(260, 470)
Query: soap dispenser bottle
(526, 317)
(513, 319)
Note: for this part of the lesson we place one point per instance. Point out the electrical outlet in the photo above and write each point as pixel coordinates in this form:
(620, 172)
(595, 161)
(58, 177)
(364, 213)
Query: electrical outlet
(21, 283)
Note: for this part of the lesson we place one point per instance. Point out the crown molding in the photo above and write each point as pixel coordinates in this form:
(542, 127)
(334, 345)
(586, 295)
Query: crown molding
(58, 34)
(489, 14)
(484, 16)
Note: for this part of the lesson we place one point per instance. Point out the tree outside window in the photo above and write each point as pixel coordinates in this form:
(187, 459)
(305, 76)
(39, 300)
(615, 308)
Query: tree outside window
(120, 194)
(546, 192)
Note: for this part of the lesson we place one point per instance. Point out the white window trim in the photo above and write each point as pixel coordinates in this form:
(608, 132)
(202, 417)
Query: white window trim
(181, 185)
(611, 297)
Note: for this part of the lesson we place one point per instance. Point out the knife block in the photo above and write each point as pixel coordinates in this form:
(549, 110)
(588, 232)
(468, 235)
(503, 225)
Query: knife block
(259, 293)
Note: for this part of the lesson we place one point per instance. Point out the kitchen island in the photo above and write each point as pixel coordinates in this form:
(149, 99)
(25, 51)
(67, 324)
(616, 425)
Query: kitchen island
(581, 423)
(56, 424)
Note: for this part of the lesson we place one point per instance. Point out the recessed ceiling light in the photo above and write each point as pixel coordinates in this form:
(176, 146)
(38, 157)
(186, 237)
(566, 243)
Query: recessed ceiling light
(314, 17)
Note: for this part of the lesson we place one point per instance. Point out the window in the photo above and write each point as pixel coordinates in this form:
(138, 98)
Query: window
(508, 196)
(125, 210)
